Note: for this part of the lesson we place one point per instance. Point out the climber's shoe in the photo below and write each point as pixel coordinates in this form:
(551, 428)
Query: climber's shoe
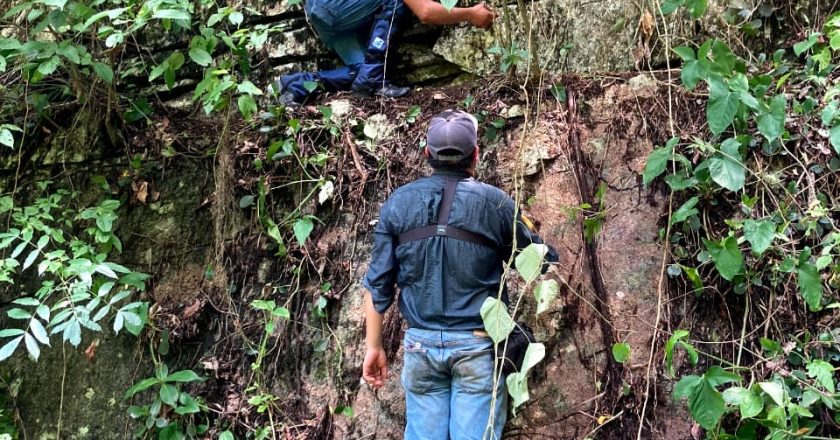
(287, 99)
(387, 90)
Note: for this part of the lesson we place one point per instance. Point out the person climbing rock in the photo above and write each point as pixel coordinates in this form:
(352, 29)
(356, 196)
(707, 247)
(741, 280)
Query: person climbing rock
(360, 32)
(443, 240)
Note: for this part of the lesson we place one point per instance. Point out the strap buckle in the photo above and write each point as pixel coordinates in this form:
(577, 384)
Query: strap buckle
(440, 230)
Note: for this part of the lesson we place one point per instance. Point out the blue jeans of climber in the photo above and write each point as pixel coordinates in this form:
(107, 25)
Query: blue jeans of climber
(448, 381)
(359, 31)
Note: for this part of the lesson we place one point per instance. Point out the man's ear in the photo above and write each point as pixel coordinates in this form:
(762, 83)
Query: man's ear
(426, 151)
(476, 154)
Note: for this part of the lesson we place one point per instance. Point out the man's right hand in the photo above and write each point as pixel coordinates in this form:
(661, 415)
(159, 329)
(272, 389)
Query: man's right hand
(375, 367)
(482, 15)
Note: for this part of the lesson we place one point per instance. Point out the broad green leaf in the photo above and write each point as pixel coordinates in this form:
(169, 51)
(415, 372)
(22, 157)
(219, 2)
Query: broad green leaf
(517, 383)
(727, 257)
(73, 333)
(497, 320)
(39, 332)
(247, 105)
(169, 394)
(749, 403)
(188, 405)
(800, 47)
(693, 276)
(718, 376)
(302, 229)
(48, 67)
(235, 18)
(680, 181)
(17, 313)
(529, 262)
(282, 312)
(517, 386)
(685, 211)
(104, 71)
(30, 259)
(27, 301)
(771, 123)
(834, 136)
(6, 136)
(7, 332)
(200, 56)
(775, 391)
(621, 352)
(696, 7)
(823, 372)
(111, 13)
(760, 234)
(32, 346)
(657, 161)
(722, 106)
(9, 348)
(226, 435)
(171, 14)
(668, 7)
(726, 168)
(810, 285)
(183, 376)
(685, 52)
(692, 72)
(670, 345)
(704, 402)
(545, 292)
(249, 88)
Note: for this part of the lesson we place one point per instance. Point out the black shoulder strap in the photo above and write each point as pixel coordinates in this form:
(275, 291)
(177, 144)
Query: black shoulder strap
(443, 228)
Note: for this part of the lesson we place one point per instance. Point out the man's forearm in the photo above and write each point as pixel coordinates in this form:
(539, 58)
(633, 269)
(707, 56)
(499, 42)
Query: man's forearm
(373, 324)
(432, 12)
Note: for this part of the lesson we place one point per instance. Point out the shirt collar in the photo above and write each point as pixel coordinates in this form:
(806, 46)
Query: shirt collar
(446, 172)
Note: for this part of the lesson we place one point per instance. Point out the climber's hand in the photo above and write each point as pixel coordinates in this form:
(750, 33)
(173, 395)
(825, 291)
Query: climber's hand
(375, 367)
(482, 15)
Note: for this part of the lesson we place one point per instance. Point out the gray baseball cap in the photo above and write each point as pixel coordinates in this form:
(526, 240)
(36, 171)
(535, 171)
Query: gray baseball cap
(452, 136)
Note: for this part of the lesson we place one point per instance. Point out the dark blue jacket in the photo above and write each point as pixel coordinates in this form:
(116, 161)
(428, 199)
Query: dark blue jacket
(443, 281)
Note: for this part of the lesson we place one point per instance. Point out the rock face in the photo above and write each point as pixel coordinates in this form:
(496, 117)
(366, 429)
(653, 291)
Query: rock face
(578, 36)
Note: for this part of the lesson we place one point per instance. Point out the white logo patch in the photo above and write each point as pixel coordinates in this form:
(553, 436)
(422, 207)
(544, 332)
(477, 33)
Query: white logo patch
(378, 43)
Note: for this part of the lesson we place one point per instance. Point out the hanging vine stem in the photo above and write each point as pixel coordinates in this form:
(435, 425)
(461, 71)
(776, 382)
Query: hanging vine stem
(666, 239)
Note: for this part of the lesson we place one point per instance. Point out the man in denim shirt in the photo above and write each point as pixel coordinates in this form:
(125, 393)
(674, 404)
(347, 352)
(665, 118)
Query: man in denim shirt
(359, 31)
(444, 279)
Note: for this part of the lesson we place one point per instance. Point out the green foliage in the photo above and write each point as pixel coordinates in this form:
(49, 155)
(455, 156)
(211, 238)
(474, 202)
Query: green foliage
(517, 383)
(74, 42)
(529, 262)
(497, 320)
(173, 412)
(621, 352)
(68, 250)
(742, 192)
(694, 7)
(509, 56)
(705, 402)
(678, 339)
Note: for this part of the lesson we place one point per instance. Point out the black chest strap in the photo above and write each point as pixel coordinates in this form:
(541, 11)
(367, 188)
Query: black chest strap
(443, 228)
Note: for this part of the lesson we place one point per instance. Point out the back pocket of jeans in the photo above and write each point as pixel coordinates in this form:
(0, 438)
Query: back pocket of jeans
(321, 14)
(416, 374)
(472, 370)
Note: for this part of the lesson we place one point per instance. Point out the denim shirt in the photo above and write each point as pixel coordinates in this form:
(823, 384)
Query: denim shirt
(443, 281)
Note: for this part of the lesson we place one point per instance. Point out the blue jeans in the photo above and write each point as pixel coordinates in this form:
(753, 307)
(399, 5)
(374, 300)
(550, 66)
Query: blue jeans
(448, 381)
(359, 31)
(344, 25)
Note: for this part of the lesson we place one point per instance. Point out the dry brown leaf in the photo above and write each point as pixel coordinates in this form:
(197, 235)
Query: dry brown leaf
(90, 352)
(141, 191)
(192, 309)
(646, 23)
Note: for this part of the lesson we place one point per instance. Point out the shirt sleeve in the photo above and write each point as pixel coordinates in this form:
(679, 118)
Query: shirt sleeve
(381, 276)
